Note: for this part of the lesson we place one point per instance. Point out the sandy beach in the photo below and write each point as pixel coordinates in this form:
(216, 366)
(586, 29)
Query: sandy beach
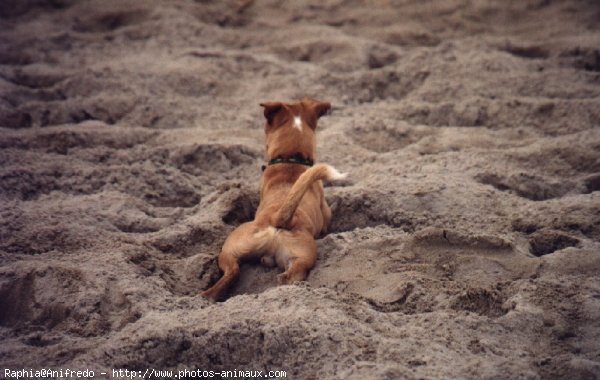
(465, 243)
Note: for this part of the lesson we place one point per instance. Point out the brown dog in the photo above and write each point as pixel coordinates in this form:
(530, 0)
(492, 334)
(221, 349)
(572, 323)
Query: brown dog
(292, 209)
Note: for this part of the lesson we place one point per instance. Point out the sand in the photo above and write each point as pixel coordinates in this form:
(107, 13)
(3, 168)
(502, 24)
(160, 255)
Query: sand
(465, 244)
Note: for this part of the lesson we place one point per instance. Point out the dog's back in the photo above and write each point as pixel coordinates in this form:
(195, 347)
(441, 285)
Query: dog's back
(306, 191)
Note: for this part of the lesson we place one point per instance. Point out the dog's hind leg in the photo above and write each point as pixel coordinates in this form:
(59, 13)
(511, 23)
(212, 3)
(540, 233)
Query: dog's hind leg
(326, 211)
(228, 263)
(241, 243)
(303, 255)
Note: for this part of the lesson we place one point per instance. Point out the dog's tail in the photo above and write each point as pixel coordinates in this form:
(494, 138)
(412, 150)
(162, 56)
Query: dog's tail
(315, 173)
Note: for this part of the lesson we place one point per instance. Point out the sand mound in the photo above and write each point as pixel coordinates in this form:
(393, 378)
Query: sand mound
(465, 244)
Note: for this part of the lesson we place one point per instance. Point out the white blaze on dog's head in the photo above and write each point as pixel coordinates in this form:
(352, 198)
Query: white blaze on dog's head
(298, 123)
(282, 118)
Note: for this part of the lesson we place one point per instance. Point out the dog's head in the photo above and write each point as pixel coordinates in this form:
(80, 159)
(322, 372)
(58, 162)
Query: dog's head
(290, 127)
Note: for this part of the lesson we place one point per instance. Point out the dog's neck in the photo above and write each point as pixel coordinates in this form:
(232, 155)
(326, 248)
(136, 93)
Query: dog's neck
(296, 158)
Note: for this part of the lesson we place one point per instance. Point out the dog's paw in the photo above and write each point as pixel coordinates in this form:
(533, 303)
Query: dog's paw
(211, 296)
(286, 279)
(283, 278)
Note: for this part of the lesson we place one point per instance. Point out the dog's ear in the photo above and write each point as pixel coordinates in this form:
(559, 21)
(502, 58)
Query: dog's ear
(271, 109)
(319, 108)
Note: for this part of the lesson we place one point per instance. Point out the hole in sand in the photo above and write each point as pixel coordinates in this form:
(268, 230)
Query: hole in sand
(400, 304)
(592, 183)
(378, 84)
(15, 8)
(37, 77)
(15, 119)
(319, 51)
(353, 210)
(16, 298)
(586, 58)
(381, 138)
(40, 300)
(545, 242)
(243, 208)
(105, 22)
(530, 52)
(482, 302)
(525, 185)
(198, 159)
(164, 188)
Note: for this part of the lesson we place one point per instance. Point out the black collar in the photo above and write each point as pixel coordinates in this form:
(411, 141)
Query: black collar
(295, 159)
